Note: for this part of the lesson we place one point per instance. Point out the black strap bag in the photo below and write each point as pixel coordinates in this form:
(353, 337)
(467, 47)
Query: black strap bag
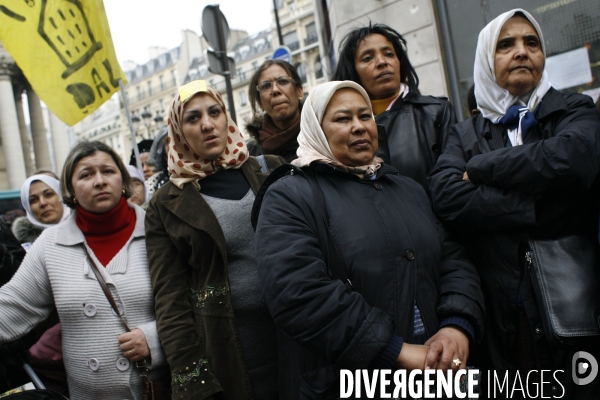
(565, 274)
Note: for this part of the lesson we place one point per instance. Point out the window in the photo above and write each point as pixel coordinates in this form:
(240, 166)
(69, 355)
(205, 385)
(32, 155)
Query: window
(301, 71)
(318, 68)
(291, 40)
(149, 88)
(173, 78)
(162, 105)
(243, 98)
(311, 34)
(241, 75)
(254, 65)
(161, 78)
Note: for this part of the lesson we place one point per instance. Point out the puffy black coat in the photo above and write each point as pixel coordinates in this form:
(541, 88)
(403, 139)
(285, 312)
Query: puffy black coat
(414, 134)
(546, 187)
(395, 252)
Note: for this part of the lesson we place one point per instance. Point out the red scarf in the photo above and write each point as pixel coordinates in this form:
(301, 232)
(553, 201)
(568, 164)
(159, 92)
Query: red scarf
(107, 233)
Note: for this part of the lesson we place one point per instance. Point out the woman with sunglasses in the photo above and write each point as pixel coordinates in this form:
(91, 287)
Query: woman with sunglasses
(277, 90)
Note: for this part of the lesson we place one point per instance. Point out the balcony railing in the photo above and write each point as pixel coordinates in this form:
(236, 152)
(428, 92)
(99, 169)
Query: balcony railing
(312, 38)
(293, 45)
(157, 89)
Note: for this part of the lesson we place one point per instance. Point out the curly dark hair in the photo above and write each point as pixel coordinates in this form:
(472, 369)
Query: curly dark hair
(253, 93)
(346, 68)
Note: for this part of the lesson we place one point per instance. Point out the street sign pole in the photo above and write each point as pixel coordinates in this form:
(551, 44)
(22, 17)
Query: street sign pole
(225, 65)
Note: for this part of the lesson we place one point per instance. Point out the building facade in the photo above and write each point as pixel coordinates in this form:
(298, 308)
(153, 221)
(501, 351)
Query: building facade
(31, 137)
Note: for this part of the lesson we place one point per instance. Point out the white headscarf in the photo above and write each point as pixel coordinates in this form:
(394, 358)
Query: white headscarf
(54, 185)
(137, 175)
(492, 100)
(313, 144)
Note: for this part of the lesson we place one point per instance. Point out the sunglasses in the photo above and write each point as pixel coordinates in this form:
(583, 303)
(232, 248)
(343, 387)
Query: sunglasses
(282, 81)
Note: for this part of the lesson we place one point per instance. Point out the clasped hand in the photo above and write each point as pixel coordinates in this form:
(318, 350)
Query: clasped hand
(447, 349)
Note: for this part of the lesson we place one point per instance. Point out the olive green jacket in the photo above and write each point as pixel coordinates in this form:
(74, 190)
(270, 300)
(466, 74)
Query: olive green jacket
(187, 257)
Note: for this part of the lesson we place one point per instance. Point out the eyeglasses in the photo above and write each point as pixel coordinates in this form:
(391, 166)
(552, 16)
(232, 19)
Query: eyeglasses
(282, 81)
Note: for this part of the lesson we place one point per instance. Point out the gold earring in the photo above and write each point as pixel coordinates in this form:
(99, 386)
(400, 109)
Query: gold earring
(74, 200)
(123, 191)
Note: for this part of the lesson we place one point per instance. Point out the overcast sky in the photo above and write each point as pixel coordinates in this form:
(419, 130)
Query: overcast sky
(137, 25)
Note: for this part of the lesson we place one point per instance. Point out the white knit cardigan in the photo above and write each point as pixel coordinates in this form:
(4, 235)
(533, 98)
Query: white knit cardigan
(56, 271)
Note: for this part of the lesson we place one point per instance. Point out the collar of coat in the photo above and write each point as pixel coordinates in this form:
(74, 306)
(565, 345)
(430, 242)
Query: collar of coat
(314, 168)
(414, 98)
(552, 102)
(179, 202)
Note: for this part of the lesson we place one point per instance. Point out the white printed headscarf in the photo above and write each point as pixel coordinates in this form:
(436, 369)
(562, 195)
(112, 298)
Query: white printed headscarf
(137, 175)
(54, 184)
(313, 144)
(492, 100)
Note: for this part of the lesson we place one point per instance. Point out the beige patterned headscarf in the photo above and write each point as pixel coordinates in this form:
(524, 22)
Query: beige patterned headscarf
(183, 163)
(313, 144)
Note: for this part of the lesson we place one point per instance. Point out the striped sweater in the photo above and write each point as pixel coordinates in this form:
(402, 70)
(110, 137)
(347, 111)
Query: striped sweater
(56, 271)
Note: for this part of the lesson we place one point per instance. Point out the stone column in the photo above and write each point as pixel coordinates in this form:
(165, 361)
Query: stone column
(38, 132)
(9, 126)
(29, 166)
(60, 141)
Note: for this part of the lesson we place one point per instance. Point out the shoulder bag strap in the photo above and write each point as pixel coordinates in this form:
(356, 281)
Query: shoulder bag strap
(336, 264)
(141, 365)
(105, 289)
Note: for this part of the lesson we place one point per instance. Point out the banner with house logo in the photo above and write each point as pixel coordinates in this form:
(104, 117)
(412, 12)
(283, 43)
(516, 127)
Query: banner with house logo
(65, 51)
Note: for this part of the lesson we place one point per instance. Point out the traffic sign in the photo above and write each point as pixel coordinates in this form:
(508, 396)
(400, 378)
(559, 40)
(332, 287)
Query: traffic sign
(283, 53)
(214, 64)
(216, 31)
(212, 17)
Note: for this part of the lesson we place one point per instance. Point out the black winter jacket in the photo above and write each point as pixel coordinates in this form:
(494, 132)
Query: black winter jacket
(395, 253)
(414, 134)
(546, 187)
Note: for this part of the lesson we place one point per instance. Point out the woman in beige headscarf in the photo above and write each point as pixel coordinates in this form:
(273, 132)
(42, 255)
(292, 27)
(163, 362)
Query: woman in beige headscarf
(212, 321)
(355, 268)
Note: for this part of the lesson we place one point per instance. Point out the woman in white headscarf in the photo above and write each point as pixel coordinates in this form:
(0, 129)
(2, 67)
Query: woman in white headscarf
(356, 270)
(41, 199)
(140, 195)
(526, 167)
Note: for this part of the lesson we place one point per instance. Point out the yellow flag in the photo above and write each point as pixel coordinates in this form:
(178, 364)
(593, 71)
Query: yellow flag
(65, 50)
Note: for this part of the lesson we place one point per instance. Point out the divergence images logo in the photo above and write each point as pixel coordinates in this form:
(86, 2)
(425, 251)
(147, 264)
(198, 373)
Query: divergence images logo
(584, 363)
